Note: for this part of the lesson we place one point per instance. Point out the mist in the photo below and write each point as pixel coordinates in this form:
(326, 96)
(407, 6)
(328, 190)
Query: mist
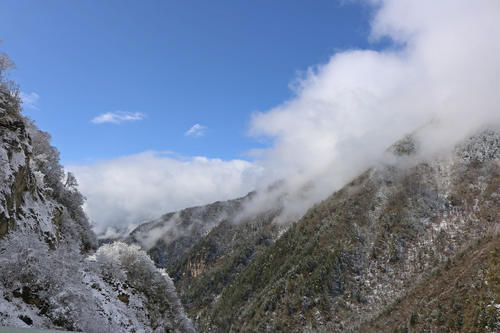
(442, 68)
(440, 79)
(137, 188)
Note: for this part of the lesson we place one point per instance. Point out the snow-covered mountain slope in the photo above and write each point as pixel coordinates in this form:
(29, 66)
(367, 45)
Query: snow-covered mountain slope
(51, 275)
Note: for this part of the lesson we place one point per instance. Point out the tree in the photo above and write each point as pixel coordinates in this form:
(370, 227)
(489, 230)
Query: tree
(6, 64)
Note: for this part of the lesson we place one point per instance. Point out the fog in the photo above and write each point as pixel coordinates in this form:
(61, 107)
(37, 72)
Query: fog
(440, 78)
(141, 187)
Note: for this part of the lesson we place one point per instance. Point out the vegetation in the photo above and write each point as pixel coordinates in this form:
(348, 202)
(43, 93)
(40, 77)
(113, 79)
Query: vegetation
(353, 257)
(214, 262)
(463, 297)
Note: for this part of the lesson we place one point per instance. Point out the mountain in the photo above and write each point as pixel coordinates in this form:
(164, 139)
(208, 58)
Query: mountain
(52, 274)
(177, 232)
(362, 259)
(204, 248)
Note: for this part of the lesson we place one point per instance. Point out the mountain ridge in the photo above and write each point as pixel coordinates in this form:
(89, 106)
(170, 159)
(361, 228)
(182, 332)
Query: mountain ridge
(392, 214)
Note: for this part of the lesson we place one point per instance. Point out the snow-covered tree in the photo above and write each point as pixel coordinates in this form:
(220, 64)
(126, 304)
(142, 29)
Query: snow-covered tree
(6, 64)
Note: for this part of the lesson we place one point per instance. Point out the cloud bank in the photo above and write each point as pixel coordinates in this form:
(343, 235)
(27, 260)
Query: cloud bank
(443, 67)
(118, 117)
(136, 188)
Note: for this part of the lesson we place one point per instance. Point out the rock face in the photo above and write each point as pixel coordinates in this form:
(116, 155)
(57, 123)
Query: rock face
(17, 182)
(51, 274)
(362, 258)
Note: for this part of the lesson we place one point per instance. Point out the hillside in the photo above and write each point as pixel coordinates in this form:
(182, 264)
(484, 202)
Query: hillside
(177, 232)
(204, 248)
(460, 295)
(51, 274)
(367, 245)
(219, 257)
(355, 256)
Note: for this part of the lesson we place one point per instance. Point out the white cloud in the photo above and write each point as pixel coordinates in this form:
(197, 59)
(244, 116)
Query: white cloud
(135, 188)
(446, 69)
(30, 100)
(118, 117)
(196, 130)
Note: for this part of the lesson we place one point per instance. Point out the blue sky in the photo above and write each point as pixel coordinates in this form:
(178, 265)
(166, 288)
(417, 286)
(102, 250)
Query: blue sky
(169, 65)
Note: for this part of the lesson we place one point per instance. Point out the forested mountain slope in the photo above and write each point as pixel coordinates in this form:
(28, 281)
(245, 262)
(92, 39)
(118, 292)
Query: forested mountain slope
(174, 234)
(204, 248)
(51, 275)
(219, 257)
(362, 249)
(353, 258)
(460, 295)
